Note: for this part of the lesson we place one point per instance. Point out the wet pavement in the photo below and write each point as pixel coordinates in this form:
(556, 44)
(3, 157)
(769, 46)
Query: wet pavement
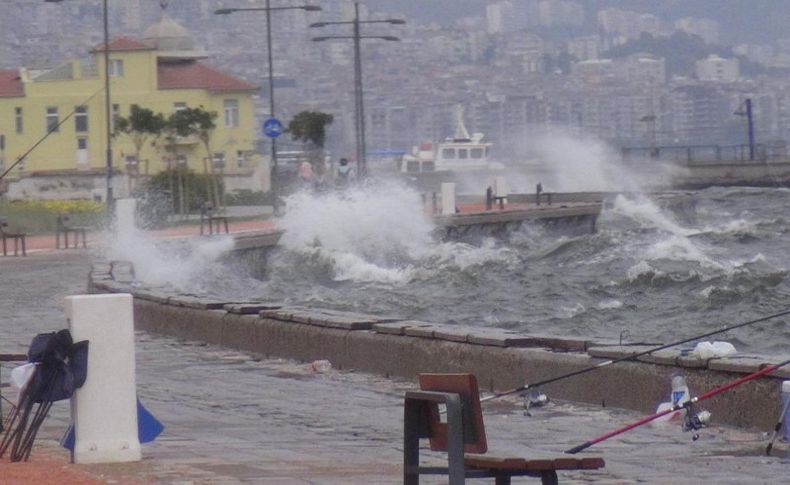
(232, 417)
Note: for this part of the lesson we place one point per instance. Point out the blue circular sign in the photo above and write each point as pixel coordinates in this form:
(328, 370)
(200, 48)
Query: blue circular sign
(272, 128)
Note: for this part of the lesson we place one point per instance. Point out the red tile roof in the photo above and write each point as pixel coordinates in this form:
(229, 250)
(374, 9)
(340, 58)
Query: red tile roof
(120, 44)
(10, 84)
(194, 75)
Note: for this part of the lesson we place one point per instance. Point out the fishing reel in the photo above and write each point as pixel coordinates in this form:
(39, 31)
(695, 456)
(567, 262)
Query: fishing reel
(534, 399)
(695, 421)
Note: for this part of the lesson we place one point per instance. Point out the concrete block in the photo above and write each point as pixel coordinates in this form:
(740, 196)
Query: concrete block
(151, 295)
(499, 338)
(104, 410)
(343, 323)
(392, 328)
(617, 352)
(422, 331)
(742, 364)
(662, 357)
(690, 360)
(453, 333)
(114, 286)
(198, 302)
(559, 343)
(250, 308)
(282, 314)
(100, 267)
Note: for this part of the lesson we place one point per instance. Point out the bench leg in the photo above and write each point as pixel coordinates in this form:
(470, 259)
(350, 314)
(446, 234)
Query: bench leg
(455, 441)
(549, 478)
(411, 442)
(502, 480)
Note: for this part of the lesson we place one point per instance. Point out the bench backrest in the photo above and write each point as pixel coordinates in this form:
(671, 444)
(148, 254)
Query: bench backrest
(466, 386)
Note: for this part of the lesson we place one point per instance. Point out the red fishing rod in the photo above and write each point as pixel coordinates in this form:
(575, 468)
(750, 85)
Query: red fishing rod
(677, 407)
(631, 357)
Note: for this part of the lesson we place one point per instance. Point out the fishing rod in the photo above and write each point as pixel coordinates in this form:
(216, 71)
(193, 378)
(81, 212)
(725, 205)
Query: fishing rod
(53, 129)
(777, 428)
(678, 406)
(630, 357)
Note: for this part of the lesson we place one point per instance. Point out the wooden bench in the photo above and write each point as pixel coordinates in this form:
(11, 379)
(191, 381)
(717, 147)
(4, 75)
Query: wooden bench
(210, 217)
(63, 228)
(463, 437)
(18, 238)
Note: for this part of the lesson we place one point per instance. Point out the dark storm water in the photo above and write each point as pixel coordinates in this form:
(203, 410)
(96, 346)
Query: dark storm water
(659, 275)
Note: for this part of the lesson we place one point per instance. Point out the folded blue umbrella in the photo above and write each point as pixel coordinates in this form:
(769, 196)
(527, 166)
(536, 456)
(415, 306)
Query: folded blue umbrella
(148, 428)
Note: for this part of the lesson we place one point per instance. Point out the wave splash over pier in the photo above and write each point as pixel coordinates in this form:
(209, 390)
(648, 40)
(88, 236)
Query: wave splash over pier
(647, 271)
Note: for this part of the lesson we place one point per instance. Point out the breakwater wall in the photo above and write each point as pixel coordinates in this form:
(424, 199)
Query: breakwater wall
(501, 359)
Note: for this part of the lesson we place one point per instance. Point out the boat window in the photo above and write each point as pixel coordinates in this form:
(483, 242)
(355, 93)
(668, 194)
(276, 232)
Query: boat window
(448, 153)
(463, 153)
(476, 153)
(428, 167)
(413, 166)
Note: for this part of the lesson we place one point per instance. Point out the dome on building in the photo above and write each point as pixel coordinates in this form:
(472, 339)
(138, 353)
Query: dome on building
(168, 35)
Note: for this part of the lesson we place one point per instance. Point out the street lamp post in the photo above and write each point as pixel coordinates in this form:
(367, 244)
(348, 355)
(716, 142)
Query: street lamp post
(357, 36)
(107, 102)
(747, 112)
(268, 9)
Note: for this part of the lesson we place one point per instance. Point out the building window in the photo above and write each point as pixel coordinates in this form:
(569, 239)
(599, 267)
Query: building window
(81, 119)
(116, 67)
(53, 120)
(179, 106)
(20, 124)
(231, 113)
(82, 143)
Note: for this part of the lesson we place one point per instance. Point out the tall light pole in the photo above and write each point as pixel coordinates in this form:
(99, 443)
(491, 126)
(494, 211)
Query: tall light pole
(362, 163)
(107, 103)
(268, 9)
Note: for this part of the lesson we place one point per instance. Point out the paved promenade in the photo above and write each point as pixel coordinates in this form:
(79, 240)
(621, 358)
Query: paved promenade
(236, 418)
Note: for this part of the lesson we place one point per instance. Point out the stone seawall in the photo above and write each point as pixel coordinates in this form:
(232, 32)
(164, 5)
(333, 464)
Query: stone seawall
(501, 359)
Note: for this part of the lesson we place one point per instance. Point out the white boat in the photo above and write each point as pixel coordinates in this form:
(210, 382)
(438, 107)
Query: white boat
(459, 153)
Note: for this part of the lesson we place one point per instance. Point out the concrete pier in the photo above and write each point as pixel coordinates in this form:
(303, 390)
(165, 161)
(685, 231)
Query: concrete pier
(389, 346)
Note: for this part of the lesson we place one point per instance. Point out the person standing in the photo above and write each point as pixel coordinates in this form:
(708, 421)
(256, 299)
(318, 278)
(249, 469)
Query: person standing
(306, 173)
(343, 173)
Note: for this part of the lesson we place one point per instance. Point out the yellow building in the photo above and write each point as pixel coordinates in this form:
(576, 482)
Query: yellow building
(162, 72)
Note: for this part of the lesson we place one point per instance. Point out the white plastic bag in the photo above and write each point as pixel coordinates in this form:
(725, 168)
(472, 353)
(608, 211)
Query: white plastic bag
(20, 377)
(709, 350)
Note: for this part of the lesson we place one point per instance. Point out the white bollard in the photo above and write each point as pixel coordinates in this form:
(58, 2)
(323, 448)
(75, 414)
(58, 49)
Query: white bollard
(125, 210)
(104, 410)
(448, 198)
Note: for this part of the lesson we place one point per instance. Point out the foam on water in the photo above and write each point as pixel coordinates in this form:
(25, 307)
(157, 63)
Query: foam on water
(375, 233)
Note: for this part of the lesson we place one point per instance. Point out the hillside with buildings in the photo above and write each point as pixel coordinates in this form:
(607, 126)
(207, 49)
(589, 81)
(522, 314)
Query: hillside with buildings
(520, 68)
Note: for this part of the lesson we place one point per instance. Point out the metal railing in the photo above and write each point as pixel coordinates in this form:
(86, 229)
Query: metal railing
(706, 154)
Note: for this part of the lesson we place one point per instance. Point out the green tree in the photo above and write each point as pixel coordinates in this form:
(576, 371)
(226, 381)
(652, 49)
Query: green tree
(310, 127)
(199, 123)
(141, 125)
